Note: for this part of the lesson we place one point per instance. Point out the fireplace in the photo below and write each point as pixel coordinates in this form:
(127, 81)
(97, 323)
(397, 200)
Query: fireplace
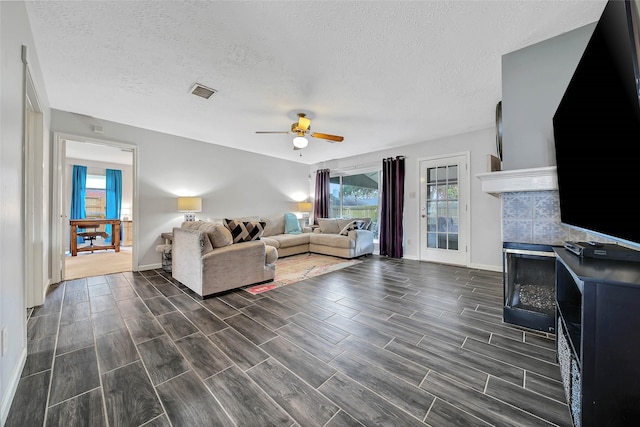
(530, 216)
(529, 285)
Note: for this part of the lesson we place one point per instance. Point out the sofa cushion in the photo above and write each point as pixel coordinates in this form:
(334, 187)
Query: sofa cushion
(291, 224)
(244, 231)
(328, 225)
(248, 218)
(220, 236)
(275, 225)
(289, 240)
(335, 240)
(197, 225)
(270, 241)
(356, 224)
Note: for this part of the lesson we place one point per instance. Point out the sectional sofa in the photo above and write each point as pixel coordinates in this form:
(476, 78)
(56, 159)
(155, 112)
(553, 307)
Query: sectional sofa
(324, 239)
(210, 257)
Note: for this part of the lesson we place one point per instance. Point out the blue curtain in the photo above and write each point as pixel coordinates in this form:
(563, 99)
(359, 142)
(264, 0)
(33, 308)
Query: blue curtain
(78, 193)
(114, 197)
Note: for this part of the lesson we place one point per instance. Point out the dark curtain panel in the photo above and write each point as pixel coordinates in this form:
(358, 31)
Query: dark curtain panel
(392, 207)
(323, 195)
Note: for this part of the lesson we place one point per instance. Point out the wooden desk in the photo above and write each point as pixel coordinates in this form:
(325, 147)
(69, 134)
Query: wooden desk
(78, 223)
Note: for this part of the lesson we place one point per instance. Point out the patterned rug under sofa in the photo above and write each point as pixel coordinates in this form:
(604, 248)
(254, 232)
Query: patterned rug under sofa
(296, 268)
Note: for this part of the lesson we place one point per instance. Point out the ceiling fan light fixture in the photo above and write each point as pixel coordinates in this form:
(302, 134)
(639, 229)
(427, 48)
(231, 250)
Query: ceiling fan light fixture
(300, 142)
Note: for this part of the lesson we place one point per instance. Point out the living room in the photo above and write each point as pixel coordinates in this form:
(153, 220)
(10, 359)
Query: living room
(230, 181)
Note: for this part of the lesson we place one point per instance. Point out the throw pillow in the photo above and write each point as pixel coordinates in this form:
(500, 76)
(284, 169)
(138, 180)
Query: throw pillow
(367, 223)
(275, 225)
(244, 231)
(357, 224)
(291, 224)
(220, 236)
(328, 225)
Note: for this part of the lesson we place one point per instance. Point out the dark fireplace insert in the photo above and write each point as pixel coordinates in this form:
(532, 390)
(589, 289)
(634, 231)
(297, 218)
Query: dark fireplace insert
(529, 285)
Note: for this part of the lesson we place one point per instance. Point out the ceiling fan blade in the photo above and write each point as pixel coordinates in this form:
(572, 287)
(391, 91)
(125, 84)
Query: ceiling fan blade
(303, 123)
(331, 138)
(269, 131)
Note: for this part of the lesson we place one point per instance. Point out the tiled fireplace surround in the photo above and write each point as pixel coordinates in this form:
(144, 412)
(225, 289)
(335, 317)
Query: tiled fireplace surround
(534, 217)
(530, 207)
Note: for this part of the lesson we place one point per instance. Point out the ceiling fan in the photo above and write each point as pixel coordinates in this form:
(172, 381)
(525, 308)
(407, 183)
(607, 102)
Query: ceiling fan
(303, 127)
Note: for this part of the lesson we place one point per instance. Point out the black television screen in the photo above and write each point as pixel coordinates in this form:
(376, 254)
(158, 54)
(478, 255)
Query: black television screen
(597, 131)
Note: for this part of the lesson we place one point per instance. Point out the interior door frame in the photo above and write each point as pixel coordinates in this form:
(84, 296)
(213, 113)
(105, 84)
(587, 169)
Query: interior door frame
(35, 266)
(464, 178)
(59, 184)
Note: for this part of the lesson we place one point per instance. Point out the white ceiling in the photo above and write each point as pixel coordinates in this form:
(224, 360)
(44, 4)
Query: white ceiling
(382, 74)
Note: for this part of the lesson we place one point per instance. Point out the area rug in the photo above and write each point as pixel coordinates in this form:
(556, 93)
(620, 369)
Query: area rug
(296, 268)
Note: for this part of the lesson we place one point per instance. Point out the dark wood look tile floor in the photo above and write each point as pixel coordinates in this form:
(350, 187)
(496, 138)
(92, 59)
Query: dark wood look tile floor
(382, 343)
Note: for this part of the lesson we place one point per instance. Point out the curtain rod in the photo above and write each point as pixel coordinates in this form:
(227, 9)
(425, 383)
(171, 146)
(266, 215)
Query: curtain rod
(359, 166)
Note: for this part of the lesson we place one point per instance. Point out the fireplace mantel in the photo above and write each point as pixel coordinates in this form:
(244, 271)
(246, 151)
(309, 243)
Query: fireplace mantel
(534, 179)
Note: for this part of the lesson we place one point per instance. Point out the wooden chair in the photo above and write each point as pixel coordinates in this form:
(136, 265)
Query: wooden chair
(91, 235)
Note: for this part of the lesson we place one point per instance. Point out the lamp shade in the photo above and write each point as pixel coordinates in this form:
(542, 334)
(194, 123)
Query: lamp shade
(304, 206)
(189, 204)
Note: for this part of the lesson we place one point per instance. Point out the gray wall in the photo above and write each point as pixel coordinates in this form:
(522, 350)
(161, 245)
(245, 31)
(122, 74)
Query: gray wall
(485, 243)
(231, 182)
(533, 81)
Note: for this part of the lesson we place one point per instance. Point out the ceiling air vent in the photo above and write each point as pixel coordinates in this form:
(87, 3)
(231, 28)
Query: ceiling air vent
(202, 91)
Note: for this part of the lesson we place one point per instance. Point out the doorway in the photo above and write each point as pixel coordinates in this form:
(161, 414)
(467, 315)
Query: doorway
(99, 159)
(444, 209)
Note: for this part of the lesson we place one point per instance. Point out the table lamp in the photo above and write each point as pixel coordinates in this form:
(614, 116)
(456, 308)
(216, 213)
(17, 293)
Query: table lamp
(305, 208)
(189, 205)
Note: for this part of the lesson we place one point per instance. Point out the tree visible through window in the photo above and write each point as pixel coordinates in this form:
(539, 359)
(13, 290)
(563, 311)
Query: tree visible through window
(356, 196)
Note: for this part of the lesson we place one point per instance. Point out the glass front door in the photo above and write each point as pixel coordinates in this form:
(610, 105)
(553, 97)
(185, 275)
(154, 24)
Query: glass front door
(443, 210)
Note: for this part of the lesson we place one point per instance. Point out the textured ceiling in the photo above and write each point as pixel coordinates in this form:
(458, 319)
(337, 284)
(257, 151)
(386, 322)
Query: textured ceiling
(381, 74)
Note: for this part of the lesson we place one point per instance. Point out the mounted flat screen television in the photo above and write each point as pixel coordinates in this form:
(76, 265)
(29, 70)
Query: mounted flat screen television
(597, 131)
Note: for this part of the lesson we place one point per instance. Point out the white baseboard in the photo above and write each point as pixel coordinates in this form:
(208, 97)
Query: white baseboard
(149, 267)
(472, 265)
(487, 267)
(12, 386)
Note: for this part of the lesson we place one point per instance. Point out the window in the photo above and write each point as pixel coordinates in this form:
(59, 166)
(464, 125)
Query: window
(95, 200)
(356, 196)
(442, 207)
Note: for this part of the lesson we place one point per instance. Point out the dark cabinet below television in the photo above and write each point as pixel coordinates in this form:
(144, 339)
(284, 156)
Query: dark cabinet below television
(598, 338)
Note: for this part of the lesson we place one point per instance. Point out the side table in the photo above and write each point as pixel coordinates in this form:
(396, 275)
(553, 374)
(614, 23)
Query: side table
(166, 251)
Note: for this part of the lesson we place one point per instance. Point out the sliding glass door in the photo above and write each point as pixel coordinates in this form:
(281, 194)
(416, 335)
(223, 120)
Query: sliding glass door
(356, 196)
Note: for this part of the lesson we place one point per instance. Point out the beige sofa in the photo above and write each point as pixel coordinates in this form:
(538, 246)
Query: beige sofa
(205, 259)
(324, 239)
